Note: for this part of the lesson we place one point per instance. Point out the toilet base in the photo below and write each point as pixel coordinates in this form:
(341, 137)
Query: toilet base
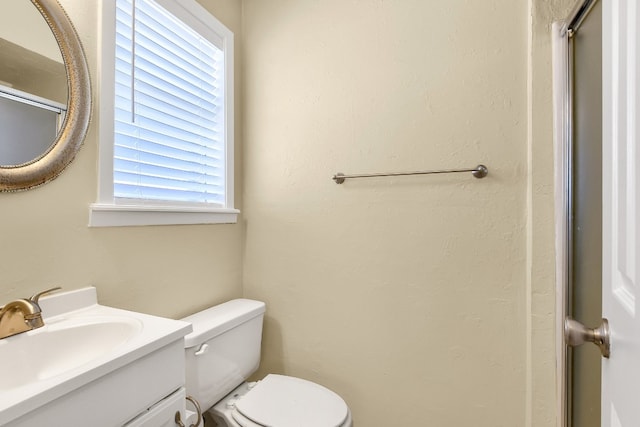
(222, 411)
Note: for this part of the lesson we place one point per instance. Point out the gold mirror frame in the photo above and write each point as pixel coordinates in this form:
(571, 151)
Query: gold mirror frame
(74, 127)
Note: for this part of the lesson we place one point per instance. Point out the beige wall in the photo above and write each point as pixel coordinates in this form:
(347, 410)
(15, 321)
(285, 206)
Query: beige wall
(30, 59)
(22, 24)
(435, 293)
(408, 296)
(169, 270)
(420, 300)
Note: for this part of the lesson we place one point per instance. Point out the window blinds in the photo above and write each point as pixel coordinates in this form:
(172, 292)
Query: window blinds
(169, 109)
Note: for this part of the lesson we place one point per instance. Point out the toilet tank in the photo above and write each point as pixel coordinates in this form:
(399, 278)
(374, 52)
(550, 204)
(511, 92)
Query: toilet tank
(223, 349)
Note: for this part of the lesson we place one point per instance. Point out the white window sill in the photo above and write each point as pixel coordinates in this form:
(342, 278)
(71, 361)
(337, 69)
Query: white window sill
(111, 215)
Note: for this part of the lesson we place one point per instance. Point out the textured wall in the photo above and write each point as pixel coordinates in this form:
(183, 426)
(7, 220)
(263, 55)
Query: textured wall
(427, 298)
(407, 295)
(170, 270)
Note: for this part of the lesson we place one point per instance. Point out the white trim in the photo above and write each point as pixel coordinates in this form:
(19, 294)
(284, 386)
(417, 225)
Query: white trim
(229, 108)
(106, 212)
(561, 139)
(199, 19)
(111, 215)
(106, 81)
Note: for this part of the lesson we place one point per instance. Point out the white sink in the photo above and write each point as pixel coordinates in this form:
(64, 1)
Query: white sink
(87, 354)
(61, 346)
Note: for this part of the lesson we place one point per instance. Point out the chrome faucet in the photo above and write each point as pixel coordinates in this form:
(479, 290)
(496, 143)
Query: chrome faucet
(22, 315)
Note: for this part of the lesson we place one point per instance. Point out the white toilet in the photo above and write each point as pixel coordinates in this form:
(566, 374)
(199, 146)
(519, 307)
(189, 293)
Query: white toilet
(224, 350)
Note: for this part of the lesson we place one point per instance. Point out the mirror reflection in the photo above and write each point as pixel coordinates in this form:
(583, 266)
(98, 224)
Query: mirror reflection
(33, 84)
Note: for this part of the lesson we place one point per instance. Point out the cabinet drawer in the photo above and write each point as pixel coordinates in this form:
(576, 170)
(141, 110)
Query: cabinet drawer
(163, 413)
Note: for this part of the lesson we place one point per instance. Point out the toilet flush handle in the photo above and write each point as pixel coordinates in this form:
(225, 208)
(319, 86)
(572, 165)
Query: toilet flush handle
(202, 350)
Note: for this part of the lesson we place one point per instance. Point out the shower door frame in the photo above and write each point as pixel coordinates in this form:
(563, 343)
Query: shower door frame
(563, 68)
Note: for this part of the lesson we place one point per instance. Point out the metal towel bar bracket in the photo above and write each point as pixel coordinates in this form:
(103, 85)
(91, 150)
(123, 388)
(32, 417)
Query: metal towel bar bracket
(479, 171)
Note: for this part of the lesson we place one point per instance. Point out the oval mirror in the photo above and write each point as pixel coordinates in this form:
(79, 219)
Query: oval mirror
(45, 98)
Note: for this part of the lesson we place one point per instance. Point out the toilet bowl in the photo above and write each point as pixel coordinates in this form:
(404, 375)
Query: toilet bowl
(280, 400)
(224, 350)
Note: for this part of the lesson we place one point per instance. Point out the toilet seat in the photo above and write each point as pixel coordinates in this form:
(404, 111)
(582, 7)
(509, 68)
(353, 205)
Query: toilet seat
(283, 401)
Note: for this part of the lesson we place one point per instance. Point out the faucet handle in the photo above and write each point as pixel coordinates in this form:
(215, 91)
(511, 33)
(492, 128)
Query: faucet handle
(37, 296)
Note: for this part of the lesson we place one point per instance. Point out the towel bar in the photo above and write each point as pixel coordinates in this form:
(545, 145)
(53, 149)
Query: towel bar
(479, 171)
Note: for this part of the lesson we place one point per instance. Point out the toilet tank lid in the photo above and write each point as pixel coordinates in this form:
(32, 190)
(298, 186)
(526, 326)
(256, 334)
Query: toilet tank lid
(218, 319)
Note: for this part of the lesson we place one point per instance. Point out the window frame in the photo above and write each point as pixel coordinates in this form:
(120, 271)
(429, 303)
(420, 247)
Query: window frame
(107, 211)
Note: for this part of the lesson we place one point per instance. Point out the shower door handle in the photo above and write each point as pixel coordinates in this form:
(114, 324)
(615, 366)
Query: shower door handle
(575, 334)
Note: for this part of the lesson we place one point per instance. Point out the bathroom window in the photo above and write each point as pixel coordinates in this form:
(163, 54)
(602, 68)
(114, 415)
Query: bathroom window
(166, 115)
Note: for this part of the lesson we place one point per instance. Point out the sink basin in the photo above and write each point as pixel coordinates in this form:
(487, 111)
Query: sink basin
(59, 347)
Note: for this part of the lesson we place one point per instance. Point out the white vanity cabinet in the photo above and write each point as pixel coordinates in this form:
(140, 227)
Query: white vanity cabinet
(133, 395)
(137, 381)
